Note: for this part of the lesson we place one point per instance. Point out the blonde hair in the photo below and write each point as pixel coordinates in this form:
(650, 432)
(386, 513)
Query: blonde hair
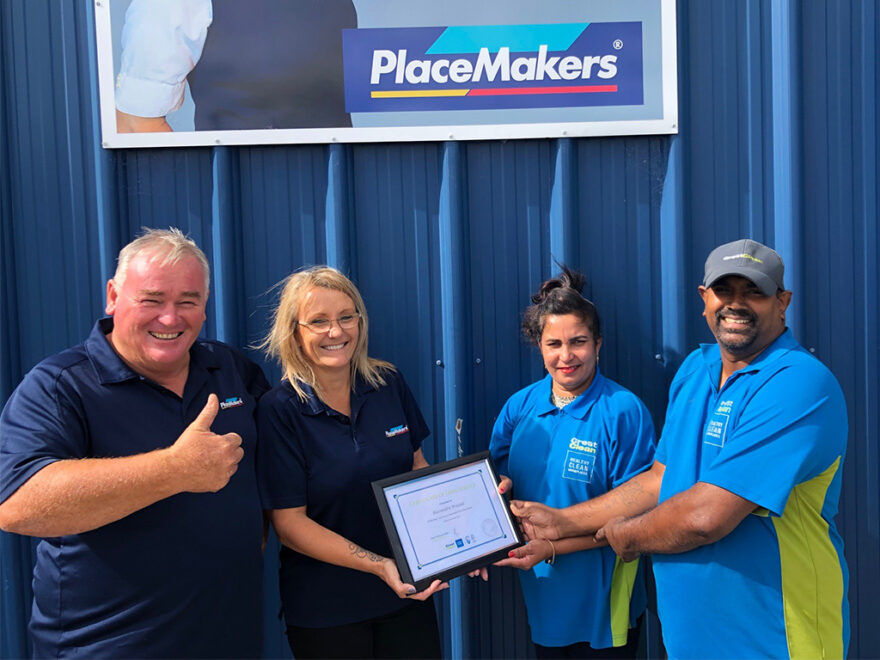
(166, 247)
(281, 344)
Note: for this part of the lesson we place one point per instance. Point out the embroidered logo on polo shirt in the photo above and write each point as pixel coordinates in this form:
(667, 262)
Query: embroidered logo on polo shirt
(580, 459)
(397, 430)
(716, 428)
(231, 402)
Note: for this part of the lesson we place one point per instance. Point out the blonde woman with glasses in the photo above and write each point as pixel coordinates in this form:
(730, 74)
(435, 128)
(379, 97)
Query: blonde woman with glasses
(338, 420)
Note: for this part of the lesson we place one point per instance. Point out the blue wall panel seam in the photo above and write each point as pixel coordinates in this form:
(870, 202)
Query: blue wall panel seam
(102, 160)
(336, 209)
(786, 209)
(220, 211)
(562, 214)
(870, 257)
(452, 323)
(672, 258)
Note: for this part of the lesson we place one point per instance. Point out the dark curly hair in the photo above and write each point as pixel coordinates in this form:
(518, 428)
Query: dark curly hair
(560, 295)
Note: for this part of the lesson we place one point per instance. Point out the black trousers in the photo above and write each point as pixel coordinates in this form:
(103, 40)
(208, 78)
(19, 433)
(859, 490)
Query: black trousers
(408, 633)
(582, 650)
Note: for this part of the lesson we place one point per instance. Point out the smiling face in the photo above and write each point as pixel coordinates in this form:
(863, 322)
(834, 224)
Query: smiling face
(332, 351)
(158, 312)
(570, 353)
(743, 319)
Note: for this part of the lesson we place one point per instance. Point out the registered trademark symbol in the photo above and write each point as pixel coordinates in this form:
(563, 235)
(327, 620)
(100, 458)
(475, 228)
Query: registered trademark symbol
(618, 44)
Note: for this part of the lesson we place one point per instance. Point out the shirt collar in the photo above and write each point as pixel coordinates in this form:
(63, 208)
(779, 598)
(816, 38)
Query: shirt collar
(780, 346)
(313, 405)
(110, 368)
(580, 407)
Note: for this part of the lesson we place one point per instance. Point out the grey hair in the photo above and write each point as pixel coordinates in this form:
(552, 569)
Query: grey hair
(167, 246)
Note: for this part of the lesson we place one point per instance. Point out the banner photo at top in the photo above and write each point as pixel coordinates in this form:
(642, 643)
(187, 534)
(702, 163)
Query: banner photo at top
(208, 72)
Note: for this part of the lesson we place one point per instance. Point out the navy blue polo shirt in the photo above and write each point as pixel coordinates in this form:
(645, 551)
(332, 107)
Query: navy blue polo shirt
(179, 578)
(313, 456)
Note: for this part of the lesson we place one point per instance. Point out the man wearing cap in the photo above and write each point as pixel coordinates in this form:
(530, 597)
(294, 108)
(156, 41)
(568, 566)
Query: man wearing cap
(141, 484)
(738, 508)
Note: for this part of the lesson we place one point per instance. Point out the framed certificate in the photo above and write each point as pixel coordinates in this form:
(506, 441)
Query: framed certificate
(447, 519)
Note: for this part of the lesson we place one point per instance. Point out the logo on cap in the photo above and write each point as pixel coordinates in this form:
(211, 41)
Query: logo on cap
(742, 256)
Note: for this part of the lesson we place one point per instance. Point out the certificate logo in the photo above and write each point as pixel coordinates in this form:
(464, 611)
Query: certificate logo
(491, 67)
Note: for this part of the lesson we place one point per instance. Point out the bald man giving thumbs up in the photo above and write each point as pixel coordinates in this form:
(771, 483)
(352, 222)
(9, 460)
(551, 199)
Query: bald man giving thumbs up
(132, 456)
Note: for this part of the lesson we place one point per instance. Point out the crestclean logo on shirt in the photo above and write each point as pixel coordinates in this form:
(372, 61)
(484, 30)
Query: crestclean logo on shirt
(493, 67)
(580, 459)
(588, 446)
(397, 430)
(716, 427)
(231, 402)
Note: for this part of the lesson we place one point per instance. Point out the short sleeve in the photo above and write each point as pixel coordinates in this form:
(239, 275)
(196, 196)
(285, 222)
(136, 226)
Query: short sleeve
(418, 428)
(161, 42)
(282, 466)
(660, 452)
(502, 435)
(254, 379)
(40, 424)
(791, 430)
(634, 440)
(683, 375)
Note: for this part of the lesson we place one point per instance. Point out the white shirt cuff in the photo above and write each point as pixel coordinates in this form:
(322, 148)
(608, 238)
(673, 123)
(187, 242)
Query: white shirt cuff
(148, 98)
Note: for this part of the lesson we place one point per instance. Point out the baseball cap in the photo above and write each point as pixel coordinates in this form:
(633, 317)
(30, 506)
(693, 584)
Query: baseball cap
(749, 259)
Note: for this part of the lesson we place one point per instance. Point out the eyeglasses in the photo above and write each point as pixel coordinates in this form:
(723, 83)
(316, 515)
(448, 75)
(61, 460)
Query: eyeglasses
(322, 326)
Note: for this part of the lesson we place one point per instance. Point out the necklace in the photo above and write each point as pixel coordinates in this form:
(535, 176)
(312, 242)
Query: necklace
(561, 401)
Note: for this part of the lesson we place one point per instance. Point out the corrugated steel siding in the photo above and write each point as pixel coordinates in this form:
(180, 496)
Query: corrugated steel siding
(840, 257)
(779, 120)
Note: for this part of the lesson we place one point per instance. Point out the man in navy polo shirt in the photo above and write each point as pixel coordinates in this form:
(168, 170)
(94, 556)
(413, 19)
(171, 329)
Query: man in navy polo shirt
(132, 456)
(738, 509)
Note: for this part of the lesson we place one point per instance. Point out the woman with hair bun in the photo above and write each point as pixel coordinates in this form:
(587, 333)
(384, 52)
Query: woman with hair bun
(569, 437)
(338, 420)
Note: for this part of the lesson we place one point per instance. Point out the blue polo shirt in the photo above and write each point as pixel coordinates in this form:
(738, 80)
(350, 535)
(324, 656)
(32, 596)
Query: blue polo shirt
(179, 578)
(775, 434)
(314, 456)
(562, 457)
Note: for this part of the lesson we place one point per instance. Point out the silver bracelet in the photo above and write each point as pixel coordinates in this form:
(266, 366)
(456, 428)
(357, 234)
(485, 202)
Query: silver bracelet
(552, 559)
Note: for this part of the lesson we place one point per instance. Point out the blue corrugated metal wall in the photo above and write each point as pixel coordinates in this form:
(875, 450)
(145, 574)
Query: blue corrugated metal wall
(779, 141)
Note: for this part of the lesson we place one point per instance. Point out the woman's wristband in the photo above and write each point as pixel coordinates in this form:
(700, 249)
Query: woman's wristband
(552, 559)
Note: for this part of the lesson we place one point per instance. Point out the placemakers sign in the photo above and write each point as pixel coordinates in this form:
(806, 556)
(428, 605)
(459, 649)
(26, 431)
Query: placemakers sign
(493, 67)
(390, 71)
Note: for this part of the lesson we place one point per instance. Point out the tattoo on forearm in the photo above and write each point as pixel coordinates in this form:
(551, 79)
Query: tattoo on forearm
(359, 552)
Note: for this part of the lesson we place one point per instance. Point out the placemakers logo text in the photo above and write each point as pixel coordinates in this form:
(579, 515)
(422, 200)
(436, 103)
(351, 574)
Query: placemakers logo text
(387, 63)
(493, 67)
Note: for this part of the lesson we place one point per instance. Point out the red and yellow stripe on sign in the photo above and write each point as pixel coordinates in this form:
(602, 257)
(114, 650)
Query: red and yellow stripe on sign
(508, 91)
(419, 93)
(497, 91)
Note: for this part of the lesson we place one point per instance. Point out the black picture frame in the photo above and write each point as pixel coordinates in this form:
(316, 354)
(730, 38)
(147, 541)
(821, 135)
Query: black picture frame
(470, 564)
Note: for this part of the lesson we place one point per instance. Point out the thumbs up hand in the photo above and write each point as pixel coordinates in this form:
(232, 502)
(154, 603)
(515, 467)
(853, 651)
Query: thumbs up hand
(205, 461)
